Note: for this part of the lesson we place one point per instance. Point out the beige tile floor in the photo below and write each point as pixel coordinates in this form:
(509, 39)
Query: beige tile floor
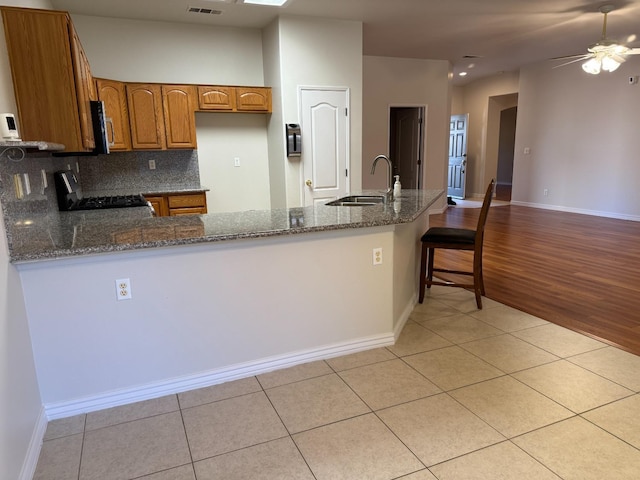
(463, 394)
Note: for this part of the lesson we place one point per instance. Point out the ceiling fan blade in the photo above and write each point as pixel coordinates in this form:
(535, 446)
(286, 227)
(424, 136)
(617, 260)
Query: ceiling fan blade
(582, 57)
(570, 56)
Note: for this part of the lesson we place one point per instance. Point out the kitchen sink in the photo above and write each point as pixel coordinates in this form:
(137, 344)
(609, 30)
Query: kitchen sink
(357, 201)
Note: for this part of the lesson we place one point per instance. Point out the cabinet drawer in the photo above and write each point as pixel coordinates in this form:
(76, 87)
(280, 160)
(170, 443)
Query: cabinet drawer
(187, 200)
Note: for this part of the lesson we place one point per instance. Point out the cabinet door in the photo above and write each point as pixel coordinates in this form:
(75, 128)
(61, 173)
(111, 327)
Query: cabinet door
(216, 98)
(253, 99)
(145, 116)
(85, 88)
(159, 204)
(114, 96)
(179, 115)
(44, 81)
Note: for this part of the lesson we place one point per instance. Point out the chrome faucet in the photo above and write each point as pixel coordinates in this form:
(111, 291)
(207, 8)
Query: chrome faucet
(389, 192)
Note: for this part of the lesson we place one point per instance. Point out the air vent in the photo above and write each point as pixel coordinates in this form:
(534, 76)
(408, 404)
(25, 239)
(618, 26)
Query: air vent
(209, 11)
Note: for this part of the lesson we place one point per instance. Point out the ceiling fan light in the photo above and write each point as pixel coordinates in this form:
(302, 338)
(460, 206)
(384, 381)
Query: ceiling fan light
(592, 66)
(609, 64)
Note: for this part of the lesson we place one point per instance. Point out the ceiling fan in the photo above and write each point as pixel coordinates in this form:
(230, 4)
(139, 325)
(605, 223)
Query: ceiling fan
(604, 55)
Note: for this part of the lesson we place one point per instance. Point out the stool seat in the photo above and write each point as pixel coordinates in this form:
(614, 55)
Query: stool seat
(456, 239)
(450, 235)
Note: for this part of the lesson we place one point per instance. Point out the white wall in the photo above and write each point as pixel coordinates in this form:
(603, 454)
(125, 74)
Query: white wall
(145, 51)
(482, 101)
(318, 52)
(202, 309)
(20, 403)
(401, 81)
(583, 134)
(221, 138)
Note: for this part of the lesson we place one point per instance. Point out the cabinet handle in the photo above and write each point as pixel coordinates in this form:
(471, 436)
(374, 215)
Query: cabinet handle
(308, 183)
(112, 142)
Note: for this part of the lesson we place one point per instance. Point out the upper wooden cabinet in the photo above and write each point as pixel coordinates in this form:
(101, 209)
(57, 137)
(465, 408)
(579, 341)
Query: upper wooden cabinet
(253, 99)
(161, 116)
(146, 118)
(114, 96)
(51, 78)
(216, 98)
(179, 104)
(234, 99)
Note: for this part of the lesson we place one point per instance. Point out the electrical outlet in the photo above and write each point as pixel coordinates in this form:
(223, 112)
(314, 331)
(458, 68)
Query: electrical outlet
(236, 161)
(152, 164)
(123, 289)
(546, 192)
(377, 256)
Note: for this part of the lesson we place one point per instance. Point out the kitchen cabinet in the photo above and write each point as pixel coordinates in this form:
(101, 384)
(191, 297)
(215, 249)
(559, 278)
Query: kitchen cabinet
(161, 116)
(253, 99)
(159, 204)
(234, 99)
(146, 118)
(174, 204)
(114, 96)
(51, 78)
(179, 106)
(216, 98)
(187, 204)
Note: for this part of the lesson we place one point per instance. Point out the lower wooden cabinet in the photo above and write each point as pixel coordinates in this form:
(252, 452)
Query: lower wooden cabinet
(172, 204)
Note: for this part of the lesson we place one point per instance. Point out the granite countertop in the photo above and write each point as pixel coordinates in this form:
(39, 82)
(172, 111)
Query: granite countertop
(72, 234)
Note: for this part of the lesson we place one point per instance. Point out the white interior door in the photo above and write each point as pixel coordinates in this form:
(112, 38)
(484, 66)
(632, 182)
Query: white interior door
(457, 156)
(324, 129)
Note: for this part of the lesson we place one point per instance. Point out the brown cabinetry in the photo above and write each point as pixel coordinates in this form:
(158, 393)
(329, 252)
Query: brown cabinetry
(114, 96)
(161, 116)
(179, 119)
(51, 78)
(216, 98)
(253, 99)
(173, 204)
(234, 99)
(144, 101)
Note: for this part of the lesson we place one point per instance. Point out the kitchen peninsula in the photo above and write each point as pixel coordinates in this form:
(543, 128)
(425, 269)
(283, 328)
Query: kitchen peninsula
(240, 293)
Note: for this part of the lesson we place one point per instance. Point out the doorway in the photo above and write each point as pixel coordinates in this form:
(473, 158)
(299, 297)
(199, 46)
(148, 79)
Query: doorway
(406, 144)
(506, 148)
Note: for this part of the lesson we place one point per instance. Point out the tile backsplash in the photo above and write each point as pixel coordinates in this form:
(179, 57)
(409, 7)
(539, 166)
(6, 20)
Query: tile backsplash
(174, 169)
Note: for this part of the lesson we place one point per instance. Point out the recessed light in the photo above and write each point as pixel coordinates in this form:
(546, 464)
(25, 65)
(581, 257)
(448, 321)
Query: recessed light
(270, 3)
(463, 74)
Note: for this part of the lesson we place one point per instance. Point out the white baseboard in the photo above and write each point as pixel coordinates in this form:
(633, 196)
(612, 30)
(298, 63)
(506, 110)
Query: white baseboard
(35, 444)
(405, 316)
(213, 377)
(581, 211)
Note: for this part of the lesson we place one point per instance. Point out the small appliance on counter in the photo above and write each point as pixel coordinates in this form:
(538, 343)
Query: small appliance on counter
(8, 127)
(70, 196)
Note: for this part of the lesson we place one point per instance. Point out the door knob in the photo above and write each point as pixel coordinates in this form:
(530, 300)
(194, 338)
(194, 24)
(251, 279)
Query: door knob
(308, 183)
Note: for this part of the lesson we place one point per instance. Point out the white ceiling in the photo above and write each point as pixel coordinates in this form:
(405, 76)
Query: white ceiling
(505, 34)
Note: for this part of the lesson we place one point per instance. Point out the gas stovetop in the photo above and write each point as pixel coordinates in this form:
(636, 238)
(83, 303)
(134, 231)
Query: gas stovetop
(70, 196)
(119, 201)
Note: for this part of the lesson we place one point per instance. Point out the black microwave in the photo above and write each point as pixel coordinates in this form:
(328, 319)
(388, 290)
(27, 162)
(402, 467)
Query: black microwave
(99, 122)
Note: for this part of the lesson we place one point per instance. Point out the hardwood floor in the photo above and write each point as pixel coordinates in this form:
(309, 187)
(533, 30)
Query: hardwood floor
(578, 271)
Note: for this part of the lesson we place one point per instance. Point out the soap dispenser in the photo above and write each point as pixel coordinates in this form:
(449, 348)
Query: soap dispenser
(397, 187)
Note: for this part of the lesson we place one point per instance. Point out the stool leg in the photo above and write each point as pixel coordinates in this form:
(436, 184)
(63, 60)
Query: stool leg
(432, 252)
(478, 284)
